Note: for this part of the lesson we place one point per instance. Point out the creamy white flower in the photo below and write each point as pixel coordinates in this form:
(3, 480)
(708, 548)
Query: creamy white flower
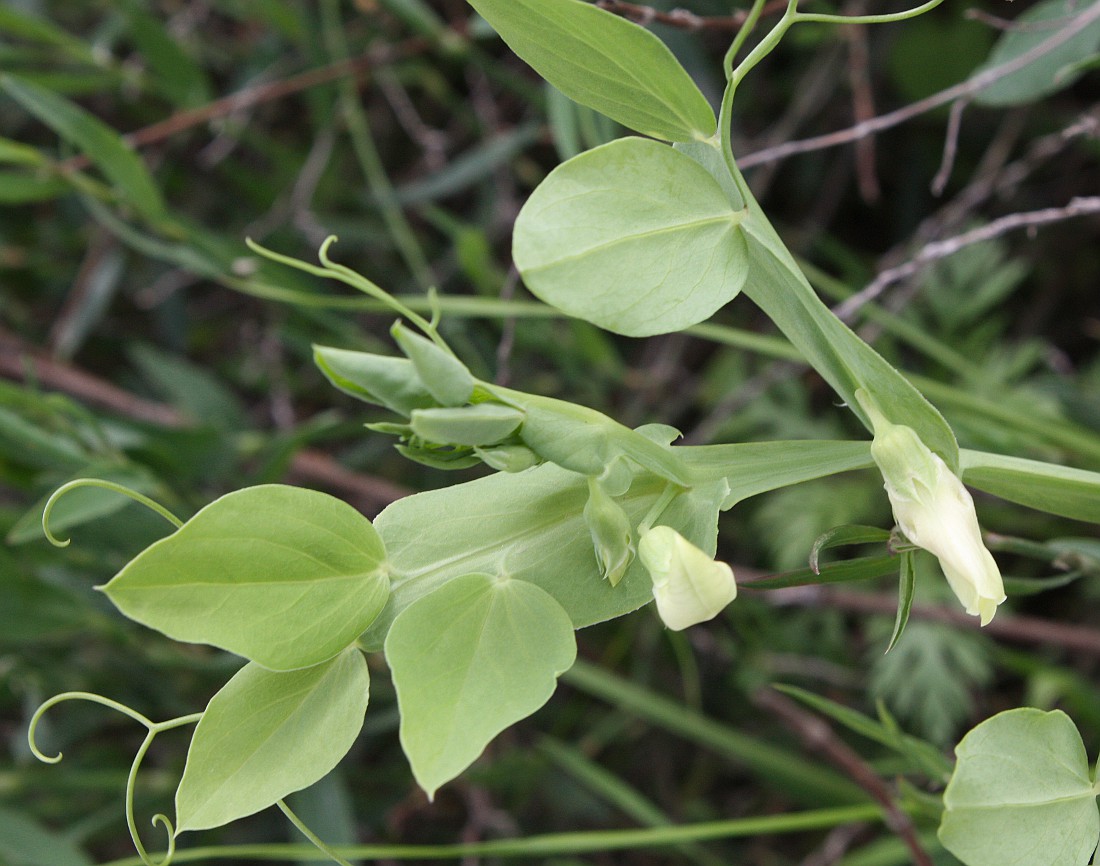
(936, 512)
(688, 585)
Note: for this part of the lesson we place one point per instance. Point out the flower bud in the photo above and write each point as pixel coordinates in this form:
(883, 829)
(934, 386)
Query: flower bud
(612, 537)
(688, 586)
(936, 512)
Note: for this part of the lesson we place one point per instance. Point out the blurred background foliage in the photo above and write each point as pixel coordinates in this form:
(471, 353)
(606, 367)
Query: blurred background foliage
(140, 341)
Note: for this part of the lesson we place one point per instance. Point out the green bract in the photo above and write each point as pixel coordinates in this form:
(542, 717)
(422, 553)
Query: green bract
(282, 576)
(604, 62)
(267, 734)
(633, 236)
(468, 660)
(1021, 793)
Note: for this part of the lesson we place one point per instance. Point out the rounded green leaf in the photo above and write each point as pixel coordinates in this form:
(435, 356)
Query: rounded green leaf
(282, 576)
(267, 734)
(1021, 793)
(634, 237)
(469, 659)
(604, 62)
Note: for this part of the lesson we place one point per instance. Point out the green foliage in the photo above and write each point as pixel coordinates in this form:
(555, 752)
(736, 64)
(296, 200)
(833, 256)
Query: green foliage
(643, 222)
(267, 734)
(494, 651)
(422, 171)
(605, 63)
(311, 563)
(120, 164)
(1022, 791)
(928, 678)
(1046, 74)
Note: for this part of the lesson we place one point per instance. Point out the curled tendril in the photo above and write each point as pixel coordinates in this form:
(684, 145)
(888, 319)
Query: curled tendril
(152, 729)
(76, 696)
(105, 485)
(163, 820)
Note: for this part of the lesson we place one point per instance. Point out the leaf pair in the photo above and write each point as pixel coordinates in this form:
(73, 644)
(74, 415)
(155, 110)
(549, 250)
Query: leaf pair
(288, 578)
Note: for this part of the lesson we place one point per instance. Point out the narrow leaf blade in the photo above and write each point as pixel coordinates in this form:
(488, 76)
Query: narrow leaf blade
(97, 140)
(267, 734)
(602, 61)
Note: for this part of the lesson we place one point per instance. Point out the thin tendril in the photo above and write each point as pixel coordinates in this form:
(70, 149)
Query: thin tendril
(358, 281)
(106, 485)
(309, 834)
(131, 823)
(742, 35)
(74, 696)
(435, 307)
(822, 17)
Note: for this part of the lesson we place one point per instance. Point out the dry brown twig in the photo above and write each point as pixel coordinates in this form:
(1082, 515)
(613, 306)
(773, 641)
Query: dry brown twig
(935, 250)
(22, 362)
(819, 739)
(682, 18)
(893, 118)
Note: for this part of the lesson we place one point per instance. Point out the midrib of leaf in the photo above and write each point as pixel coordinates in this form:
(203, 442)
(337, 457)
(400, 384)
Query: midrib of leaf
(731, 218)
(650, 483)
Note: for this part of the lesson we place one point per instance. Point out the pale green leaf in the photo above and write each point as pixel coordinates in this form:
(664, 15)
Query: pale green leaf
(530, 525)
(1046, 487)
(1021, 794)
(283, 576)
(604, 62)
(632, 236)
(469, 659)
(101, 144)
(267, 734)
(25, 842)
(1048, 73)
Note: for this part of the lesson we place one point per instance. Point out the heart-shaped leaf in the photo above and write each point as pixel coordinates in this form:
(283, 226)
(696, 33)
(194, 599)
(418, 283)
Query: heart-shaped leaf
(267, 734)
(280, 575)
(632, 236)
(1021, 793)
(468, 660)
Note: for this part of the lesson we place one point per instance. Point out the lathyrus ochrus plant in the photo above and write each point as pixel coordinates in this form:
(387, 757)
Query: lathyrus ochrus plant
(473, 592)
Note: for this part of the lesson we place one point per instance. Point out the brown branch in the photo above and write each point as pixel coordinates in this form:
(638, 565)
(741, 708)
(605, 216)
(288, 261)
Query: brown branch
(964, 89)
(1016, 629)
(682, 18)
(1080, 206)
(819, 739)
(22, 362)
(260, 93)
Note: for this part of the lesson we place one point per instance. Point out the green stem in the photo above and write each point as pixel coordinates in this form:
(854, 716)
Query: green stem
(766, 45)
(557, 844)
(824, 18)
(309, 834)
(663, 501)
(131, 822)
(106, 485)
